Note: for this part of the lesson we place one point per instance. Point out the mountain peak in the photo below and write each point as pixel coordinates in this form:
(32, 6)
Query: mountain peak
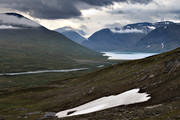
(15, 14)
(15, 21)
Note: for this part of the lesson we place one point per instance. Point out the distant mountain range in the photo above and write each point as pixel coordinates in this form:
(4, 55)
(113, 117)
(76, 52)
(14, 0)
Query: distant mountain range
(136, 37)
(71, 34)
(25, 45)
(162, 39)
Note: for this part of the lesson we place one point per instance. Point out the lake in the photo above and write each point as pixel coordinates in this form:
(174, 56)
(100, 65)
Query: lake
(127, 55)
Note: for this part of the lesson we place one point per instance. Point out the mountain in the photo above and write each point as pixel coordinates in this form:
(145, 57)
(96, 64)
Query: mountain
(158, 76)
(71, 34)
(164, 38)
(122, 39)
(25, 45)
(147, 27)
(162, 24)
(108, 40)
(144, 27)
(16, 21)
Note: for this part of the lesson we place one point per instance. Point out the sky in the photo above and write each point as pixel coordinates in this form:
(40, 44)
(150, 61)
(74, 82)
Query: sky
(92, 15)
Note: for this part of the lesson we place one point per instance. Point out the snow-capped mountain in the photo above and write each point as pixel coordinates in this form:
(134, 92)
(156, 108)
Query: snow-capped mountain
(145, 26)
(164, 38)
(162, 24)
(127, 38)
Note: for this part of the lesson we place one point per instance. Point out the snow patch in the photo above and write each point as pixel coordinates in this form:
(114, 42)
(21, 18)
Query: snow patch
(126, 98)
(148, 46)
(162, 45)
(151, 27)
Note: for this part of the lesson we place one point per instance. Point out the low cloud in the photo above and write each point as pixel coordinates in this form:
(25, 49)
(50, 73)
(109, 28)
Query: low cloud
(127, 31)
(114, 25)
(8, 27)
(11, 20)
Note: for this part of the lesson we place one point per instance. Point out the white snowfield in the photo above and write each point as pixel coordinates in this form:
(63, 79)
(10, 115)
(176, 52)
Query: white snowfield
(43, 71)
(126, 98)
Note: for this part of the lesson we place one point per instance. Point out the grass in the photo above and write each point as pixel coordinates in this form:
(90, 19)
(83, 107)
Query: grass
(159, 76)
(39, 49)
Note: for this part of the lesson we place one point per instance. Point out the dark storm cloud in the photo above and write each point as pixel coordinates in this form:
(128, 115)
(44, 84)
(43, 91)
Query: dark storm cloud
(48, 9)
(108, 2)
(140, 1)
(56, 9)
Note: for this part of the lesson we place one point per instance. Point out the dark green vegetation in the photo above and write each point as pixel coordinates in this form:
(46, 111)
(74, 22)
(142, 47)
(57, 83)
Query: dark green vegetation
(38, 48)
(158, 75)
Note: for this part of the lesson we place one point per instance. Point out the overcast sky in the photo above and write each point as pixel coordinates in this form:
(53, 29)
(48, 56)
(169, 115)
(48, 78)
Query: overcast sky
(93, 15)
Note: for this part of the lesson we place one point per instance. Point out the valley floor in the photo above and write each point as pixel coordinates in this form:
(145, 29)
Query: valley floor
(45, 95)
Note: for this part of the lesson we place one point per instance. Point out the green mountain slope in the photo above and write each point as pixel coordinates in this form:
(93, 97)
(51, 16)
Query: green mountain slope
(158, 75)
(36, 48)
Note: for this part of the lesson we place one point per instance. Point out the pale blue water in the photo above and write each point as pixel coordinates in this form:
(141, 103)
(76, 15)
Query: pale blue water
(127, 55)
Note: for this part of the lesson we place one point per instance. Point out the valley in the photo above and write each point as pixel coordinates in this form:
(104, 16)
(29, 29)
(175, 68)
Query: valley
(89, 60)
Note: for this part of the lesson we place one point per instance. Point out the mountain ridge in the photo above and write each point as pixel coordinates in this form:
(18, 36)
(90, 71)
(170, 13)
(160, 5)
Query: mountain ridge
(71, 34)
(164, 38)
(127, 38)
